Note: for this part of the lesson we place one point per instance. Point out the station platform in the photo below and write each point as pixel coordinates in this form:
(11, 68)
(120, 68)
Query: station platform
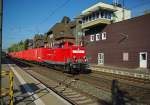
(28, 90)
(137, 73)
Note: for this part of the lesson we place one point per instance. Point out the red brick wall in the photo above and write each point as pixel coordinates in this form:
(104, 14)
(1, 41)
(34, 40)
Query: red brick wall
(137, 32)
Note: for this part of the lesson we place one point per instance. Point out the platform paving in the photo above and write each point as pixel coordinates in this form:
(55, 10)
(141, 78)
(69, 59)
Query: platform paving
(137, 73)
(29, 91)
(20, 97)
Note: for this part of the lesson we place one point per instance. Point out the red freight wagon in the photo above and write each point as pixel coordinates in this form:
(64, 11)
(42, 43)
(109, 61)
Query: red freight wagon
(41, 54)
(30, 54)
(72, 57)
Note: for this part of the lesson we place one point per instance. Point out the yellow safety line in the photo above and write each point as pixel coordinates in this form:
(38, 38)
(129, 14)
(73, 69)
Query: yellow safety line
(4, 73)
(11, 86)
(4, 92)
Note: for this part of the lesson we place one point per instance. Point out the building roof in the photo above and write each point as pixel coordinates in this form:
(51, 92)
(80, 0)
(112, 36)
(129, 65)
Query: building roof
(64, 26)
(100, 5)
(139, 19)
(65, 37)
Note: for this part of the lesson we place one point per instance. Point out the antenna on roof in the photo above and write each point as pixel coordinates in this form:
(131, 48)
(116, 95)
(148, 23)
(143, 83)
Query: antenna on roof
(115, 2)
(123, 12)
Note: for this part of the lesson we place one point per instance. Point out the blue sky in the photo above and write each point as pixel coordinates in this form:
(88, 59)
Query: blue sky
(22, 19)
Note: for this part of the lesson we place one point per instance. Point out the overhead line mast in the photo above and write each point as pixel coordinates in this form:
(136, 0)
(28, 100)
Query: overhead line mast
(1, 15)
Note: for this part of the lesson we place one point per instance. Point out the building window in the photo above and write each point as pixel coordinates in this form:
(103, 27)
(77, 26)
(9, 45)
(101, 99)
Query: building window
(51, 45)
(81, 43)
(51, 36)
(83, 20)
(104, 36)
(125, 56)
(97, 14)
(62, 33)
(102, 14)
(109, 15)
(105, 15)
(93, 16)
(86, 19)
(92, 38)
(97, 36)
(90, 17)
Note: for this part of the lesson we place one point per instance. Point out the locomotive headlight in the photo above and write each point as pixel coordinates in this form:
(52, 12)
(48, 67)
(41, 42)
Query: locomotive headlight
(85, 59)
(74, 57)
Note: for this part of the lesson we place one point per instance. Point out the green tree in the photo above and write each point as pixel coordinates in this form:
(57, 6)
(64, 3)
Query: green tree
(26, 42)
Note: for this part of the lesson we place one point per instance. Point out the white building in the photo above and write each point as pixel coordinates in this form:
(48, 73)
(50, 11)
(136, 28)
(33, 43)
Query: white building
(103, 13)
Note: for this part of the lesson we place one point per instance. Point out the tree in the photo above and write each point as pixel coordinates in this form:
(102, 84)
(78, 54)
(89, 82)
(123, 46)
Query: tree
(26, 42)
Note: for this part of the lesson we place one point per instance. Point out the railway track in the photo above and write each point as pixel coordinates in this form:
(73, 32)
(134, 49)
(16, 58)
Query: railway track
(122, 80)
(63, 88)
(134, 90)
(65, 92)
(120, 77)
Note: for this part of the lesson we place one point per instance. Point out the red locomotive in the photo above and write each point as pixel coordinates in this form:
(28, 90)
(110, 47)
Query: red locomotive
(71, 57)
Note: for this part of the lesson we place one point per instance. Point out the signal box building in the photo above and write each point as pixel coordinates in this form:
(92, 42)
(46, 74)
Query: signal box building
(122, 42)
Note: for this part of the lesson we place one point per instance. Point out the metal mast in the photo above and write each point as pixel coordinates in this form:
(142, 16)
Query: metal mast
(1, 15)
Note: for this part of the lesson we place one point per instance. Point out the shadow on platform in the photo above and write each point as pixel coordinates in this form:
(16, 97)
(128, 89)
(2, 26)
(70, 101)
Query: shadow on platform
(29, 98)
(6, 61)
(119, 97)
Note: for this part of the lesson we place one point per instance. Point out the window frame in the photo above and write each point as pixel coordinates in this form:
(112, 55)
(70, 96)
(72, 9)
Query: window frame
(104, 37)
(102, 14)
(98, 36)
(125, 56)
(90, 17)
(97, 15)
(93, 16)
(92, 38)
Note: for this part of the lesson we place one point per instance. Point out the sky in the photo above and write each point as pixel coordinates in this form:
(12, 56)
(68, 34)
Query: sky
(23, 19)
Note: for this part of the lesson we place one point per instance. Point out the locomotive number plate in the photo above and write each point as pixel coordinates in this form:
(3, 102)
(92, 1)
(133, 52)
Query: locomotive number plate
(77, 51)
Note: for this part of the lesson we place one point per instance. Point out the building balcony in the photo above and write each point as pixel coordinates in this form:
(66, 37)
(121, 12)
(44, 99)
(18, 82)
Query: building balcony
(95, 22)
